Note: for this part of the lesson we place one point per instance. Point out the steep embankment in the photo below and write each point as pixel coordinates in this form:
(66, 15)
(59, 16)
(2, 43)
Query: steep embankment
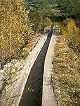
(15, 31)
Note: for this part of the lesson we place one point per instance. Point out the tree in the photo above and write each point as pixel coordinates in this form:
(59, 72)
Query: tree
(14, 26)
(39, 11)
(69, 7)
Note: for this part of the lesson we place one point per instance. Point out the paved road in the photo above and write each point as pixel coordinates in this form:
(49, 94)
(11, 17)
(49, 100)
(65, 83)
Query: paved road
(32, 94)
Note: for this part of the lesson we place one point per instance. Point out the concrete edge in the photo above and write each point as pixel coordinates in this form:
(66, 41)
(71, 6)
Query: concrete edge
(29, 61)
(48, 98)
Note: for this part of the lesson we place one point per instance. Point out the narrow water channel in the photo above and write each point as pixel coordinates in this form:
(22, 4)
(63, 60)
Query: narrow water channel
(32, 94)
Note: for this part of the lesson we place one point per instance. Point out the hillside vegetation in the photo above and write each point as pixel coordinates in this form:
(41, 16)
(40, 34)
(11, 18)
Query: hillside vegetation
(66, 65)
(19, 18)
(71, 32)
(21, 23)
(14, 28)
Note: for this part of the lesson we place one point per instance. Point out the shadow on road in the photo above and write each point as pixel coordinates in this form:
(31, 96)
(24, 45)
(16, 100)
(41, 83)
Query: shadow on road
(32, 94)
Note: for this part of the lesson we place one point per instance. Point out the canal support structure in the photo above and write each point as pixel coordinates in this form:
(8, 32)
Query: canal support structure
(48, 96)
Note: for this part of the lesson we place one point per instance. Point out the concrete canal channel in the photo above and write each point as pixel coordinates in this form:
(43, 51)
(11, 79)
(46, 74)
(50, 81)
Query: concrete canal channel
(32, 94)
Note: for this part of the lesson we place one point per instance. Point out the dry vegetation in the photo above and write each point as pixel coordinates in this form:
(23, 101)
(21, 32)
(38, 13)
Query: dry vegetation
(66, 73)
(72, 34)
(16, 40)
(14, 29)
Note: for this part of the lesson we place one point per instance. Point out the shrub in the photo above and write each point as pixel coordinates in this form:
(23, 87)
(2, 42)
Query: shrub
(14, 28)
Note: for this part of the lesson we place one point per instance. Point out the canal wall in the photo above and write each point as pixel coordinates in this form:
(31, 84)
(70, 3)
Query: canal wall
(48, 97)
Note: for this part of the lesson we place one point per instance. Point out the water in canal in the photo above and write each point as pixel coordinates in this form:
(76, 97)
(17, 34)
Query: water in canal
(32, 94)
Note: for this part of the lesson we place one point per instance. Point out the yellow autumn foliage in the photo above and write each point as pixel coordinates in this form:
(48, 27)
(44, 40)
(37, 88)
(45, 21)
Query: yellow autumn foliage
(47, 22)
(72, 33)
(13, 27)
(70, 28)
